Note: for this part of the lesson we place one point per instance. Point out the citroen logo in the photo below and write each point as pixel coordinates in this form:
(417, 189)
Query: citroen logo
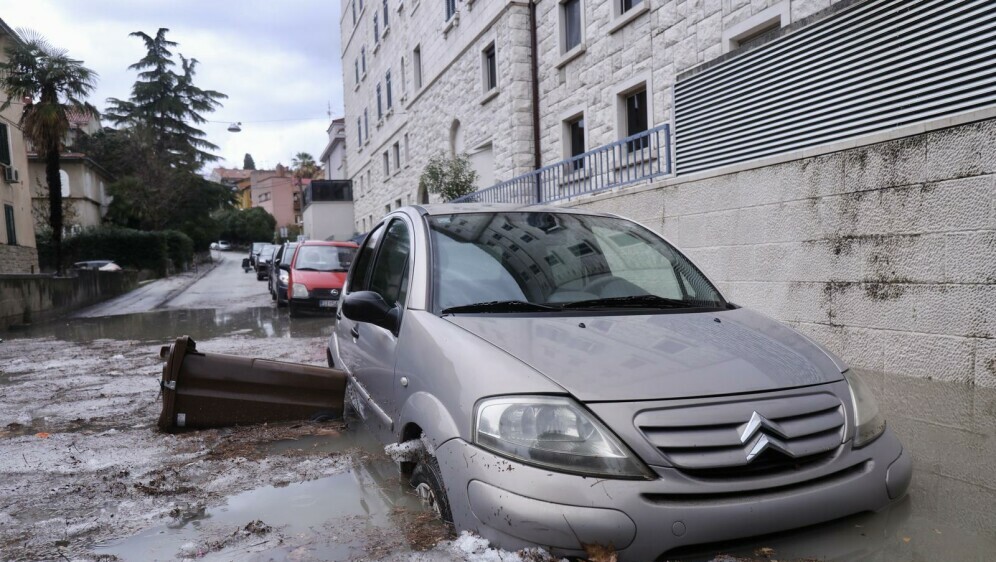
(757, 421)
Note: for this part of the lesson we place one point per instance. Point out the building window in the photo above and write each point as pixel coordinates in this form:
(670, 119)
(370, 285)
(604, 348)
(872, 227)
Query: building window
(380, 111)
(397, 156)
(376, 29)
(450, 9)
(570, 17)
(490, 68)
(361, 5)
(387, 165)
(357, 67)
(574, 129)
(397, 203)
(5, 157)
(359, 133)
(387, 90)
(627, 5)
(636, 118)
(386, 21)
(354, 12)
(417, 63)
(408, 157)
(363, 60)
(366, 125)
(387, 209)
(8, 215)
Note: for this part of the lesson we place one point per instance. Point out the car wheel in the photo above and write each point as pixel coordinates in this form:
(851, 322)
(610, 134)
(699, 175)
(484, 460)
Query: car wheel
(292, 310)
(280, 303)
(427, 481)
(273, 296)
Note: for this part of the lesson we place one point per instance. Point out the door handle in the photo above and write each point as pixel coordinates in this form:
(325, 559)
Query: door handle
(354, 332)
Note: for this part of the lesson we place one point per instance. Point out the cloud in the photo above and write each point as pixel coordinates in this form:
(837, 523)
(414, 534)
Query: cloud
(278, 62)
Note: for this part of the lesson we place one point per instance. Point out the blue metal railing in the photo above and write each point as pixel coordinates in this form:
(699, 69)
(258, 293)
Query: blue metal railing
(635, 158)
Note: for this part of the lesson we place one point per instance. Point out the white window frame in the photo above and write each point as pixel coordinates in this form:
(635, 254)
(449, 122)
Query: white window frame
(567, 56)
(621, 19)
(778, 15)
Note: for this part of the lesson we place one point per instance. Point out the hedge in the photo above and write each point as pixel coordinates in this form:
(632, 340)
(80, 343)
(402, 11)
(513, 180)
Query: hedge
(156, 251)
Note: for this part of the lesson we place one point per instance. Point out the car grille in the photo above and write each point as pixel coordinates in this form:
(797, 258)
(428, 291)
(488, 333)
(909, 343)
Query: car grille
(325, 293)
(743, 437)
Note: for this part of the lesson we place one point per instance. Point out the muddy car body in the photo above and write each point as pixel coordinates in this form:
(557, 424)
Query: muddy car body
(576, 380)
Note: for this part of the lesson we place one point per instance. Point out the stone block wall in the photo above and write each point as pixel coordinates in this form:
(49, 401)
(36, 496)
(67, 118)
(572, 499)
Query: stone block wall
(18, 259)
(26, 299)
(886, 253)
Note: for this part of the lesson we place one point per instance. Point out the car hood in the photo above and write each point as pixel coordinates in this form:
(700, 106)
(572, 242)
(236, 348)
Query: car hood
(658, 356)
(320, 279)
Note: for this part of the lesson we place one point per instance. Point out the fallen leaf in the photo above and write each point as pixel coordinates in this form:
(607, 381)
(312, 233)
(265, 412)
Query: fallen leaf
(42, 435)
(765, 551)
(906, 539)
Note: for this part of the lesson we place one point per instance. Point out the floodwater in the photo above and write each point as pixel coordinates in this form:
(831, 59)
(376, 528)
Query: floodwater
(949, 514)
(167, 324)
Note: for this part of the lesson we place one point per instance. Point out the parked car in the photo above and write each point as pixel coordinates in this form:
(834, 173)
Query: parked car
(224, 245)
(278, 276)
(574, 379)
(263, 261)
(316, 274)
(254, 250)
(92, 264)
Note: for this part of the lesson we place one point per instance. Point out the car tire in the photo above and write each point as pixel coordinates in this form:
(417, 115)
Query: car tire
(281, 304)
(427, 482)
(273, 296)
(292, 310)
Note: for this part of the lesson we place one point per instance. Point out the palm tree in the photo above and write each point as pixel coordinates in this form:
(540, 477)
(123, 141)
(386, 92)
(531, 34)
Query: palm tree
(304, 166)
(53, 86)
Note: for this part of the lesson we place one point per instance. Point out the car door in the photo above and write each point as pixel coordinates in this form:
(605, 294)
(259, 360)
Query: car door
(373, 349)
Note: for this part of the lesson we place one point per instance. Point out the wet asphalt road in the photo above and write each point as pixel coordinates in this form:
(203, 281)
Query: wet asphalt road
(949, 514)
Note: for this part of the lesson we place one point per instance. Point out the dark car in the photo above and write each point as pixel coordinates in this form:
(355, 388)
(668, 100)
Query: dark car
(263, 259)
(278, 276)
(254, 250)
(316, 274)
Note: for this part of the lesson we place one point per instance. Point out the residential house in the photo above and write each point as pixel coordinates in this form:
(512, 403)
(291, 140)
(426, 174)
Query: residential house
(279, 193)
(18, 253)
(84, 181)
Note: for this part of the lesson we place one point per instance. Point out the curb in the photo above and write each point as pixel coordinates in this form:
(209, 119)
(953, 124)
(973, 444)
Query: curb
(201, 272)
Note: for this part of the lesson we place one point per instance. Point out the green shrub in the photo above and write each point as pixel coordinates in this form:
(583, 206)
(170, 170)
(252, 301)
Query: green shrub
(179, 248)
(134, 249)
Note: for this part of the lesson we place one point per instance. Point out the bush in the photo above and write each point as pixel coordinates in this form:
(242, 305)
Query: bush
(135, 249)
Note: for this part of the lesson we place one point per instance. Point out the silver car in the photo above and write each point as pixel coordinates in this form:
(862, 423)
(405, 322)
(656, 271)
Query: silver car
(571, 378)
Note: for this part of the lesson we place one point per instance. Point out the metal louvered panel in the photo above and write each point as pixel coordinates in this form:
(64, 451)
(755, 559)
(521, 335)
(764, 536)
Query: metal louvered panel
(878, 65)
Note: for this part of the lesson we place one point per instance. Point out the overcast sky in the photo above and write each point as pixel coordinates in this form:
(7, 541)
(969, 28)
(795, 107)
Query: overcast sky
(277, 60)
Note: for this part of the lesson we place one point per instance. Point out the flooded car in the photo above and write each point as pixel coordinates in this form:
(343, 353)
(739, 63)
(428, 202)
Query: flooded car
(316, 274)
(572, 379)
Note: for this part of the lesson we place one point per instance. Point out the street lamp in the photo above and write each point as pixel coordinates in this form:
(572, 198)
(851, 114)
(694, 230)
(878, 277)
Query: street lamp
(235, 127)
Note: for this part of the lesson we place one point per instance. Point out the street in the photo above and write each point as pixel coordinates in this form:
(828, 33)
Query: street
(86, 475)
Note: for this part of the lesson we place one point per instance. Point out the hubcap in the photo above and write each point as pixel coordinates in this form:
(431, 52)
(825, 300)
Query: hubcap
(428, 497)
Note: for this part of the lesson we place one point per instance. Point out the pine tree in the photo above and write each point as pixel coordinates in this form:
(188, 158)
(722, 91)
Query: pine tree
(248, 163)
(168, 104)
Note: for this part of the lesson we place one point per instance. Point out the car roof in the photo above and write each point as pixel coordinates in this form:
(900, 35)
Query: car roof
(462, 208)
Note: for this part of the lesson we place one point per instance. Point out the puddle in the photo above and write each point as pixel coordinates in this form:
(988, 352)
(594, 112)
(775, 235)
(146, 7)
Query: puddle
(365, 512)
(167, 324)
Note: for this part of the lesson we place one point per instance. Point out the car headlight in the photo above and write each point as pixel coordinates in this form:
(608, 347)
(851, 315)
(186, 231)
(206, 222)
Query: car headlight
(868, 422)
(299, 291)
(284, 277)
(553, 432)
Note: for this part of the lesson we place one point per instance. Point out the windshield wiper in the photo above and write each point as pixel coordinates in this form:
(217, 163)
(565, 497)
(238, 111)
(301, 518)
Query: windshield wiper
(500, 306)
(635, 301)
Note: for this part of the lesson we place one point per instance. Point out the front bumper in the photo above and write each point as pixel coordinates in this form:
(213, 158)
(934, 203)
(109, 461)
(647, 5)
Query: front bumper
(516, 506)
(315, 304)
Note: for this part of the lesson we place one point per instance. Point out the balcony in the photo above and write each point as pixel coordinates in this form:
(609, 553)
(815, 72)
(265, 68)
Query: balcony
(637, 158)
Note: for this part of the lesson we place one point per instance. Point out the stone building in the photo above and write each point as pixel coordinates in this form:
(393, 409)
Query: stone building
(18, 253)
(827, 162)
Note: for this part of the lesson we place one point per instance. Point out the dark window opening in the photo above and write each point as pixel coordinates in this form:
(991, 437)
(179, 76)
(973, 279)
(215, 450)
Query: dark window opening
(627, 5)
(572, 24)
(575, 131)
(490, 69)
(636, 119)
(450, 9)
(8, 213)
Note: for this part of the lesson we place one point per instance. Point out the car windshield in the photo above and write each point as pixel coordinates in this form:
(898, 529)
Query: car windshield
(267, 251)
(541, 261)
(287, 253)
(324, 258)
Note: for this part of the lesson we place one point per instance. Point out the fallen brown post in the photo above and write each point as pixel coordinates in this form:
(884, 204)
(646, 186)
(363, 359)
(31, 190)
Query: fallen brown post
(202, 390)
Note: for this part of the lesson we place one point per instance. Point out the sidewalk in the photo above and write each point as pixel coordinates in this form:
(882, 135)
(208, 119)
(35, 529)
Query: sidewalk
(151, 295)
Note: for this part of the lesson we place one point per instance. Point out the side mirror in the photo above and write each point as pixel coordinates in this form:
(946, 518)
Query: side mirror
(285, 266)
(370, 307)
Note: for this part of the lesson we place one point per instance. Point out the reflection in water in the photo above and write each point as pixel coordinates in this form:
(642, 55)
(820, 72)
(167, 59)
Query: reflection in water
(200, 324)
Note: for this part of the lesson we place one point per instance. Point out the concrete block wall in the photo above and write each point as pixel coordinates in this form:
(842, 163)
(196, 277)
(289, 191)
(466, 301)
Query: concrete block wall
(886, 253)
(26, 299)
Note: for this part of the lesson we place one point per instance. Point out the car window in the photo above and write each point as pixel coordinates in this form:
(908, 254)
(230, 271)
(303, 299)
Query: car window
(389, 274)
(360, 273)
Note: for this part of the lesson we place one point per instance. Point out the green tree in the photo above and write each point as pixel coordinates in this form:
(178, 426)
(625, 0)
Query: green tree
(304, 166)
(248, 163)
(167, 102)
(449, 177)
(248, 225)
(54, 85)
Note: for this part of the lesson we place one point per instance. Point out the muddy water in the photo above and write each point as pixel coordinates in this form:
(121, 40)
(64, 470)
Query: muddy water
(167, 324)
